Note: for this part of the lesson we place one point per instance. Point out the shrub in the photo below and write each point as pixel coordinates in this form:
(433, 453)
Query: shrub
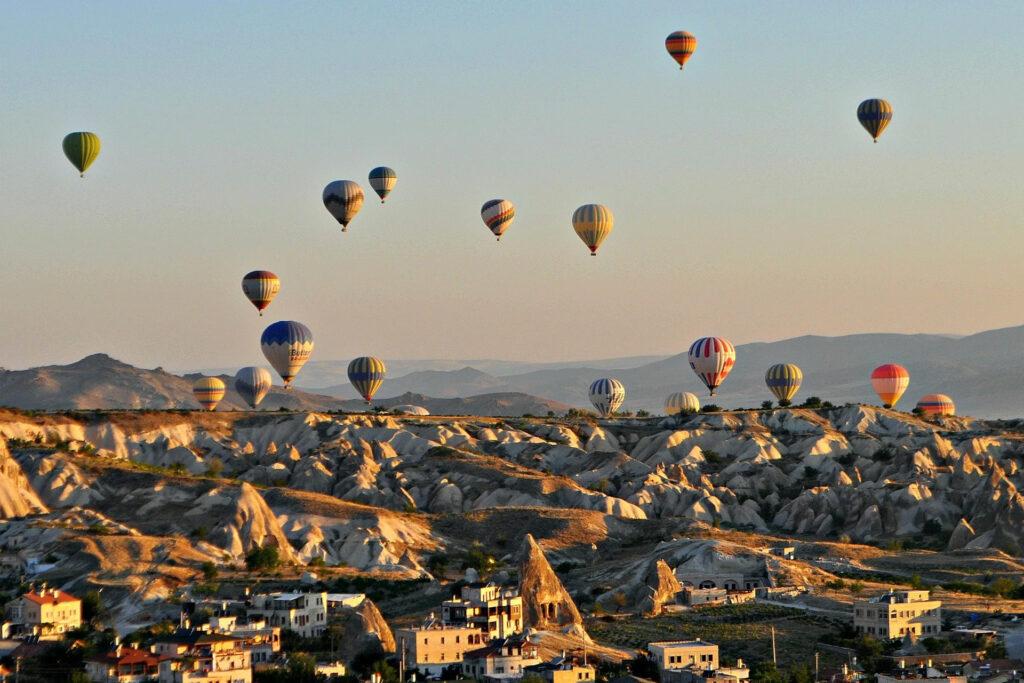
(785, 403)
(711, 408)
(812, 402)
(209, 571)
(263, 558)
(767, 405)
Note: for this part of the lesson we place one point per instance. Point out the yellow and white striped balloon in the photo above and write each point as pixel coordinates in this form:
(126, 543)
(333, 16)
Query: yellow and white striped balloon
(593, 223)
(209, 391)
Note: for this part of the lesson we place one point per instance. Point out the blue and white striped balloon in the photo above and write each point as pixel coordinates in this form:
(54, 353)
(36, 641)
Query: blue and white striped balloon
(607, 395)
(287, 346)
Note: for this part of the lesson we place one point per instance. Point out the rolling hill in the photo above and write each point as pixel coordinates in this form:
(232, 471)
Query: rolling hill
(101, 382)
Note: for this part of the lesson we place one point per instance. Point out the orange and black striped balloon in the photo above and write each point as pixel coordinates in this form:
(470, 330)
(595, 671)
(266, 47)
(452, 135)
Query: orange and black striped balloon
(874, 115)
(260, 287)
(681, 46)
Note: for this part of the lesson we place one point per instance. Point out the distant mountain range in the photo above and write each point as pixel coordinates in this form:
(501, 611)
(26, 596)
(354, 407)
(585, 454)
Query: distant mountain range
(983, 373)
(101, 382)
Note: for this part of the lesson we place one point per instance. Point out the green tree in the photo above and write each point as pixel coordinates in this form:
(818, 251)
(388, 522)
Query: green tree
(263, 558)
(767, 405)
(785, 403)
(209, 571)
(93, 610)
(765, 672)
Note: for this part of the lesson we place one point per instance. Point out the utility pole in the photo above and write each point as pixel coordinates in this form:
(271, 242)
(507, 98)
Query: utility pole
(815, 667)
(775, 660)
(401, 664)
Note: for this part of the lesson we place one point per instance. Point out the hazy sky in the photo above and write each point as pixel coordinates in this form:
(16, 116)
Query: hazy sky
(749, 202)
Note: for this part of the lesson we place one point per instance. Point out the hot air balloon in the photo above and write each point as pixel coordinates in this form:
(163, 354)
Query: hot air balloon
(382, 180)
(366, 374)
(607, 395)
(252, 384)
(593, 222)
(682, 402)
(712, 359)
(498, 215)
(889, 382)
(936, 404)
(287, 346)
(343, 198)
(81, 149)
(260, 287)
(874, 115)
(209, 391)
(784, 381)
(681, 45)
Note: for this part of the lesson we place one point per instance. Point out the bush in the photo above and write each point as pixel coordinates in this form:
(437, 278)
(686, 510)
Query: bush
(785, 403)
(209, 571)
(711, 408)
(812, 402)
(263, 558)
(767, 405)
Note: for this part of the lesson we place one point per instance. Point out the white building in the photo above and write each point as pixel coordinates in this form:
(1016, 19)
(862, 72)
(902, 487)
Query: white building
(898, 613)
(304, 613)
(494, 610)
(261, 640)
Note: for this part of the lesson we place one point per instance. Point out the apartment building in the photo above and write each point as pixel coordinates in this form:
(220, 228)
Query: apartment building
(680, 654)
(502, 660)
(122, 665)
(46, 611)
(922, 674)
(898, 613)
(494, 610)
(198, 657)
(564, 669)
(261, 640)
(304, 613)
(434, 647)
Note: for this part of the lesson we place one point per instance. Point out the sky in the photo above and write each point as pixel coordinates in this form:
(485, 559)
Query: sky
(749, 202)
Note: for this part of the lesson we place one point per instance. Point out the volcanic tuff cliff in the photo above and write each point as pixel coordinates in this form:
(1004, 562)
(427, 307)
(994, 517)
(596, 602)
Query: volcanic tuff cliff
(385, 494)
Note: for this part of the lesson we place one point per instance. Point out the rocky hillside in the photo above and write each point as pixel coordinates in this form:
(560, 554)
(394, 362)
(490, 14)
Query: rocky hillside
(99, 382)
(387, 495)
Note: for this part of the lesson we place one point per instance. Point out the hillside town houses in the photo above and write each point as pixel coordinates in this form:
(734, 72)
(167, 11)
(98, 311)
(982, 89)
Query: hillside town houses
(481, 636)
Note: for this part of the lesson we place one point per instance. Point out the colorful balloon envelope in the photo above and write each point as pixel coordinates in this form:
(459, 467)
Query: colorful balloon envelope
(889, 382)
(874, 115)
(498, 215)
(81, 149)
(682, 402)
(209, 391)
(260, 287)
(784, 380)
(607, 395)
(681, 45)
(343, 198)
(366, 374)
(936, 404)
(593, 223)
(712, 359)
(252, 384)
(287, 346)
(382, 180)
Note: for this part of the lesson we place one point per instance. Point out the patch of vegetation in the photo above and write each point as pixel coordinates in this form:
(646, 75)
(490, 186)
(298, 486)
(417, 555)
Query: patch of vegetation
(739, 630)
(261, 559)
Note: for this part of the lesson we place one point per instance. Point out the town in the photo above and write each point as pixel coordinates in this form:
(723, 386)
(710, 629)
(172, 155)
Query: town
(512, 627)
